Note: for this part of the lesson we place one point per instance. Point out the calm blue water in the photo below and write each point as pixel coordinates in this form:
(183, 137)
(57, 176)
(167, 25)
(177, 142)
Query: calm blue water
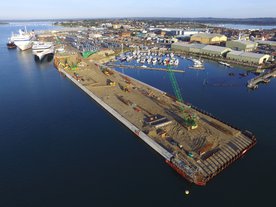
(246, 26)
(59, 148)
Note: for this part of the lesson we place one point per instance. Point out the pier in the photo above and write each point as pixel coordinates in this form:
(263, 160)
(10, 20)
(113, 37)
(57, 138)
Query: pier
(143, 68)
(253, 83)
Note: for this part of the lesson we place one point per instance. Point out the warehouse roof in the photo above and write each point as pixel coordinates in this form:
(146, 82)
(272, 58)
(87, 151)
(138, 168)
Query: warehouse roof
(198, 46)
(244, 42)
(186, 44)
(234, 52)
(272, 43)
(207, 35)
(216, 48)
(253, 55)
(247, 54)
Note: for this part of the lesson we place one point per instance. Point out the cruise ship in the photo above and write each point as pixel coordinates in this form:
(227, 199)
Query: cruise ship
(23, 40)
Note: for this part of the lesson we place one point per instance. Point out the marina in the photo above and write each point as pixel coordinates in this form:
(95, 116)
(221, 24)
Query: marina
(150, 57)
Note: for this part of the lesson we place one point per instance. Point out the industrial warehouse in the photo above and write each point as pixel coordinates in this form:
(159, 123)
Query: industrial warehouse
(221, 52)
(248, 57)
(242, 45)
(209, 39)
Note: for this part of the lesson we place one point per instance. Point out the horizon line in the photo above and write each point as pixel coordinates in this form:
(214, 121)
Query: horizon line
(85, 18)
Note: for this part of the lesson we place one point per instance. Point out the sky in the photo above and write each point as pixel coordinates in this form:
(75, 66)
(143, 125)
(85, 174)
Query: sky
(52, 9)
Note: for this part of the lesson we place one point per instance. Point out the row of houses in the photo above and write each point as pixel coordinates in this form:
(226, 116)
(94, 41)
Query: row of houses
(223, 52)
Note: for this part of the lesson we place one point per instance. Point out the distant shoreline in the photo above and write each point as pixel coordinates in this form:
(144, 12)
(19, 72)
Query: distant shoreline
(206, 20)
(230, 23)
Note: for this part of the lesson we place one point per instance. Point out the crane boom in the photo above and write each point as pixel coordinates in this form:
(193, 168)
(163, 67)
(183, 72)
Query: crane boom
(189, 121)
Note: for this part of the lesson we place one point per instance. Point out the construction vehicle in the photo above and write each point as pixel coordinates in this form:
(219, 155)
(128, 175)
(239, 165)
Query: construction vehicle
(110, 82)
(107, 72)
(76, 76)
(188, 120)
(135, 107)
(125, 89)
(127, 80)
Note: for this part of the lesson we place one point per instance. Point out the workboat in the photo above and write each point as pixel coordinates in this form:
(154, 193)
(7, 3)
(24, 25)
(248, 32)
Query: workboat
(197, 64)
(143, 60)
(171, 62)
(23, 40)
(225, 64)
(129, 58)
(123, 58)
(166, 61)
(11, 45)
(176, 62)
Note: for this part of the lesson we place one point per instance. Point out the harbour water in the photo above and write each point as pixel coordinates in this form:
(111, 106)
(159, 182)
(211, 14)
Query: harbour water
(59, 148)
(246, 26)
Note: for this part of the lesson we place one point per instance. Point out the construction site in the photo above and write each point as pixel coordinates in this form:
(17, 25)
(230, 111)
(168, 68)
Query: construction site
(194, 143)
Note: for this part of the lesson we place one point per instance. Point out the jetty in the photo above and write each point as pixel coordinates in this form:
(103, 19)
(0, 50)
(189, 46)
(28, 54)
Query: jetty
(156, 117)
(264, 77)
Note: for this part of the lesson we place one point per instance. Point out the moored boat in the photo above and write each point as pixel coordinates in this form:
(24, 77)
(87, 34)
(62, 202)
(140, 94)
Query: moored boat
(11, 45)
(23, 40)
(41, 45)
(225, 64)
(40, 54)
(197, 64)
